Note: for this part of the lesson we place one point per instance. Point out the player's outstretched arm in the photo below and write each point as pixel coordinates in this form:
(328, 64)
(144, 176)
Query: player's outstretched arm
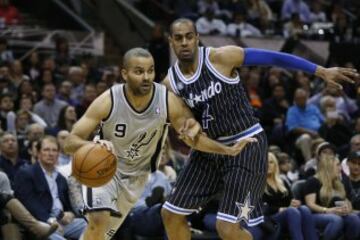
(184, 123)
(230, 57)
(96, 112)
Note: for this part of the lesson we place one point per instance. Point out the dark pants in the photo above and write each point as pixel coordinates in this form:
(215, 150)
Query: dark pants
(146, 221)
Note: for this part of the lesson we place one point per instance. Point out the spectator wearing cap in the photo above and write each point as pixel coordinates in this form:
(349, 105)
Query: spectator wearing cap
(352, 182)
(322, 149)
(354, 146)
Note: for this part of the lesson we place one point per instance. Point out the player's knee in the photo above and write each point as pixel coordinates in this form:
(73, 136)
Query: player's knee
(98, 220)
(227, 230)
(170, 217)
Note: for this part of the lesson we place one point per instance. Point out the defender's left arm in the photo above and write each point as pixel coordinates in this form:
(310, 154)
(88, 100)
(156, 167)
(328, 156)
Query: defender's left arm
(234, 56)
(190, 131)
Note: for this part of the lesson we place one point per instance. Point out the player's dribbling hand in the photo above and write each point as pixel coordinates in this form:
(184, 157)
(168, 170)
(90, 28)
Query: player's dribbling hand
(239, 146)
(107, 144)
(190, 129)
(335, 75)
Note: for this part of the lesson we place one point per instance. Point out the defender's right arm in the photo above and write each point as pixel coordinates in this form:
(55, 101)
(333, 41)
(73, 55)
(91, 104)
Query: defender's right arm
(98, 110)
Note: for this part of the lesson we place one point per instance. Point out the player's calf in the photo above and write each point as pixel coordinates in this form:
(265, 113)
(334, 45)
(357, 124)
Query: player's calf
(97, 225)
(176, 225)
(232, 231)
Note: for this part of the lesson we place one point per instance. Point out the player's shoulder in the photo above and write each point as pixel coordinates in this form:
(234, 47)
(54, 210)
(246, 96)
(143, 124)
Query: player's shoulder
(226, 54)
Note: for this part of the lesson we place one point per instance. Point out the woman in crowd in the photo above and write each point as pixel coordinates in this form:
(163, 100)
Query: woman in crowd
(325, 196)
(283, 209)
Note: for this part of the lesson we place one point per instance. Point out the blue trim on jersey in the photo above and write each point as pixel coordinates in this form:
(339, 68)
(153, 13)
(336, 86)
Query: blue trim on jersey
(229, 218)
(247, 133)
(178, 210)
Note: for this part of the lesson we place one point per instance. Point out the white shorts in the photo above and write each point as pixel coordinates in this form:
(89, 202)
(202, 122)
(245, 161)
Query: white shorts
(118, 196)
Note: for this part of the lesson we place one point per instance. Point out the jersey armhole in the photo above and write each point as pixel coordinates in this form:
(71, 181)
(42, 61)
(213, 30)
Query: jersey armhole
(112, 106)
(172, 81)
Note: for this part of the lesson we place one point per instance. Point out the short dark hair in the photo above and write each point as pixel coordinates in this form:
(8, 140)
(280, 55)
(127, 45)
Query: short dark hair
(135, 52)
(182, 20)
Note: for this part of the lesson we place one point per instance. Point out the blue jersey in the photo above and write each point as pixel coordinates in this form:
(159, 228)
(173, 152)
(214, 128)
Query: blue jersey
(219, 103)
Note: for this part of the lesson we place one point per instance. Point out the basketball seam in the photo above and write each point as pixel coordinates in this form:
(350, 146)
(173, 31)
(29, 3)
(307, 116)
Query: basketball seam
(100, 161)
(83, 160)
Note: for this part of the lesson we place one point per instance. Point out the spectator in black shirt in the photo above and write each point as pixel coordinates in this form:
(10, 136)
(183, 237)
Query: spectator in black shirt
(281, 207)
(325, 196)
(352, 182)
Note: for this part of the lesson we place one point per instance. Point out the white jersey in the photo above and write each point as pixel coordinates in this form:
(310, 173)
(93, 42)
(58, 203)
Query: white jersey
(138, 137)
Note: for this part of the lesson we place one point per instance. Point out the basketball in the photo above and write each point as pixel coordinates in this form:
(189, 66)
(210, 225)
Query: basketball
(93, 165)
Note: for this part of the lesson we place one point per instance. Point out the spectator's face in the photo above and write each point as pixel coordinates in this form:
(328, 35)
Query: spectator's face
(271, 166)
(61, 136)
(279, 92)
(9, 145)
(4, 72)
(34, 58)
(76, 77)
(65, 88)
(184, 41)
(26, 104)
(49, 64)
(70, 113)
(354, 167)
(48, 153)
(139, 75)
(7, 104)
(17, 67)
(49, 92)
(47, 76)
(90, 93)
(22, 120)
(26, 87)
(300, 98)
(355, 145)
(35, 133)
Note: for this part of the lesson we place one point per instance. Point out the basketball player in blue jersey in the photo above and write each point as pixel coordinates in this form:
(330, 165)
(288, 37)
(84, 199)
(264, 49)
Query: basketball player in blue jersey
(206, 78)
(134, 117)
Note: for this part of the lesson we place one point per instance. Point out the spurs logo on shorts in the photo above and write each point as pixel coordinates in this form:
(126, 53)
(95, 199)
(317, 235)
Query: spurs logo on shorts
(245, 209)
(143, 140)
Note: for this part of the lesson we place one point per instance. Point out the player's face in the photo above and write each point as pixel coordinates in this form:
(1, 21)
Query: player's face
(139, 75)
(184, 41)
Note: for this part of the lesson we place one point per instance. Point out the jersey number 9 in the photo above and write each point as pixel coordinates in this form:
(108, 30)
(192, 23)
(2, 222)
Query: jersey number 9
(120, 130)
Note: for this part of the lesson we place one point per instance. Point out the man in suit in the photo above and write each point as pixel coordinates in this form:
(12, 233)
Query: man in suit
(44, 192)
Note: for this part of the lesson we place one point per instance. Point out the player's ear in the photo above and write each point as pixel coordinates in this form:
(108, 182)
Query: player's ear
(124, 74)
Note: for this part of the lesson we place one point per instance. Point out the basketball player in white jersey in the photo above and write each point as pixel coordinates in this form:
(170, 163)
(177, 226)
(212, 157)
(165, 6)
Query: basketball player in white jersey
(134, 119)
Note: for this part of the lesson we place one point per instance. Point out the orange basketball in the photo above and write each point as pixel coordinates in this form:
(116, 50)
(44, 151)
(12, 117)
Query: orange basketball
(93, 165)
